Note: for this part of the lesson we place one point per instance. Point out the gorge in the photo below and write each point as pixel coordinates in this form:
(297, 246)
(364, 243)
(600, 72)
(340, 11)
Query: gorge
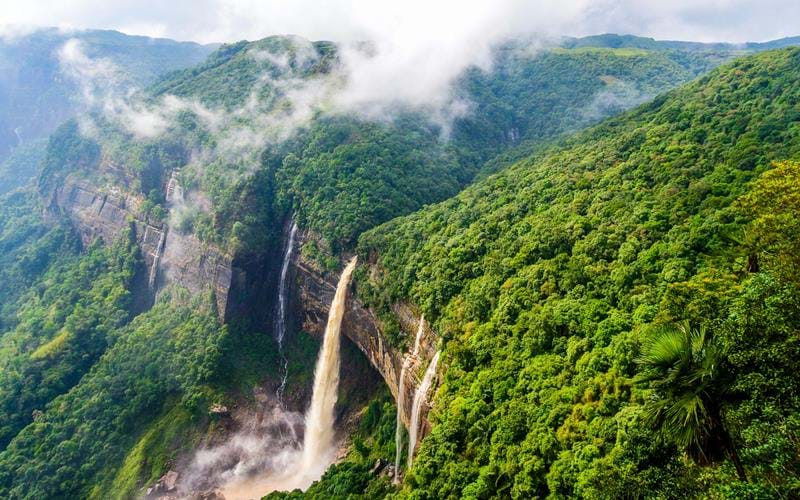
(232, 283)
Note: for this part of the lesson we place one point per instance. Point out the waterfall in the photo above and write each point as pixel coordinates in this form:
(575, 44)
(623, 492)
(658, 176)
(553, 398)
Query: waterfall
(401, 395)
(318, 440)
(174, 193)
(173, 196)
(419, 399)
(261, 457)
(280, 321)
(151, 280)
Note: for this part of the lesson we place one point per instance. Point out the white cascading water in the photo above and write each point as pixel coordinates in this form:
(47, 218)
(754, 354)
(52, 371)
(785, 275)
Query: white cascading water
(174, 198)
(420, 398)
(280, 321)
(151, 280)
(401, 395)
(318, 440)
(284, 465)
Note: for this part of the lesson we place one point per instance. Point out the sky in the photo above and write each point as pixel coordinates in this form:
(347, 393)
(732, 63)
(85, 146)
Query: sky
(422, 22)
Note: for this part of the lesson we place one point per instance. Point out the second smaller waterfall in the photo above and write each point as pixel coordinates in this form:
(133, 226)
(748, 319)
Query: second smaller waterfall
(283, 299)
(401, 396)
(419, 399)
(151, 280)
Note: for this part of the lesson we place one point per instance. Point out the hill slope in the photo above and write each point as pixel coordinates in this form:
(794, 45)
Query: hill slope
(119, 393)
(37, 94)
(381, 168)
(543, 279)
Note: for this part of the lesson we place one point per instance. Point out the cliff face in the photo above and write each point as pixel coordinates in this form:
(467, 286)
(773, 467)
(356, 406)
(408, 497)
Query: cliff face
(242, 289)
(169, 257)
(315, 290)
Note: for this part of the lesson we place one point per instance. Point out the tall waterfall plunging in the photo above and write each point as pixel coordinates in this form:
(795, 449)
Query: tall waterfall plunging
(401, 396)
(253, 463)
(419, 399)
(280, 320)
(318, 439)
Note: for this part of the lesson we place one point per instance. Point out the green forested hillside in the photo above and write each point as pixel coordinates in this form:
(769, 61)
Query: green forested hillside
(543, 279)
(342, 174)
(612, 40)
(78, 380)
(546, 280)
(154, 367)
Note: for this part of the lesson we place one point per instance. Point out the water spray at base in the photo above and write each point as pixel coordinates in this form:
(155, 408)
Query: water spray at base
(265, 455)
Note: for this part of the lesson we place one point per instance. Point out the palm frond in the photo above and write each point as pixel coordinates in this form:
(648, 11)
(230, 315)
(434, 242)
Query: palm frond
(663, 349)
(681, 364)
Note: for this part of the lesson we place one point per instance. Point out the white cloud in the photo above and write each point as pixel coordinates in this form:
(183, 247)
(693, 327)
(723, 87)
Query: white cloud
(421, 45)
(104, 86)
(347, 20)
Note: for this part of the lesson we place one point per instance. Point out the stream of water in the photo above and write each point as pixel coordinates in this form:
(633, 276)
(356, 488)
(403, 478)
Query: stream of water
(318, 446)
(401, 396)
(420, 397)
(283, 299)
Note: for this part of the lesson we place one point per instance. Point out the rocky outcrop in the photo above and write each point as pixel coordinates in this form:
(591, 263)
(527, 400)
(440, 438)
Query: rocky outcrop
(242, 288)
(105, 212)
(165, 487)
(315, 291)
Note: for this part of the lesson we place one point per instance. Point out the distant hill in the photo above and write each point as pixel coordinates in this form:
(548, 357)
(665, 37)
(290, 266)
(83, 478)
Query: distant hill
(36, 96)
(611, 40)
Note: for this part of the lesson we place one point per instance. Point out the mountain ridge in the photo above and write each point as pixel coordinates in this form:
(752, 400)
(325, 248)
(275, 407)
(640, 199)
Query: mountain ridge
(569, 256)
(539, 272)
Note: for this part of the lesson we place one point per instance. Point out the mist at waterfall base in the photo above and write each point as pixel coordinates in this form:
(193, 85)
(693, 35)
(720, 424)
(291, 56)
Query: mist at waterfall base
(266, 454)
(262, 456)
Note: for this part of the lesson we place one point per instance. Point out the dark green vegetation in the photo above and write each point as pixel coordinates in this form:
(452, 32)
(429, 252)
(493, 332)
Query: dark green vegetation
(346, 176)
(342, 175)
(168, 352)
(37, 95)
(63, 325)
(78, 378)
(684, 367)
(28, 247)
(545, 279)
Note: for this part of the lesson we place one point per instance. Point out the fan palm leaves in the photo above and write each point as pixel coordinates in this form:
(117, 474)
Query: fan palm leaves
(682, 365)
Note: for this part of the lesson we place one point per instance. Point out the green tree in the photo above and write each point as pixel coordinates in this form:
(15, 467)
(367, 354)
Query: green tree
(683, 366)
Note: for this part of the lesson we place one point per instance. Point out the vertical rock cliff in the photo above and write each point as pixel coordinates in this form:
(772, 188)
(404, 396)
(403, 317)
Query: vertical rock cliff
(315, 289)
(105, 210)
